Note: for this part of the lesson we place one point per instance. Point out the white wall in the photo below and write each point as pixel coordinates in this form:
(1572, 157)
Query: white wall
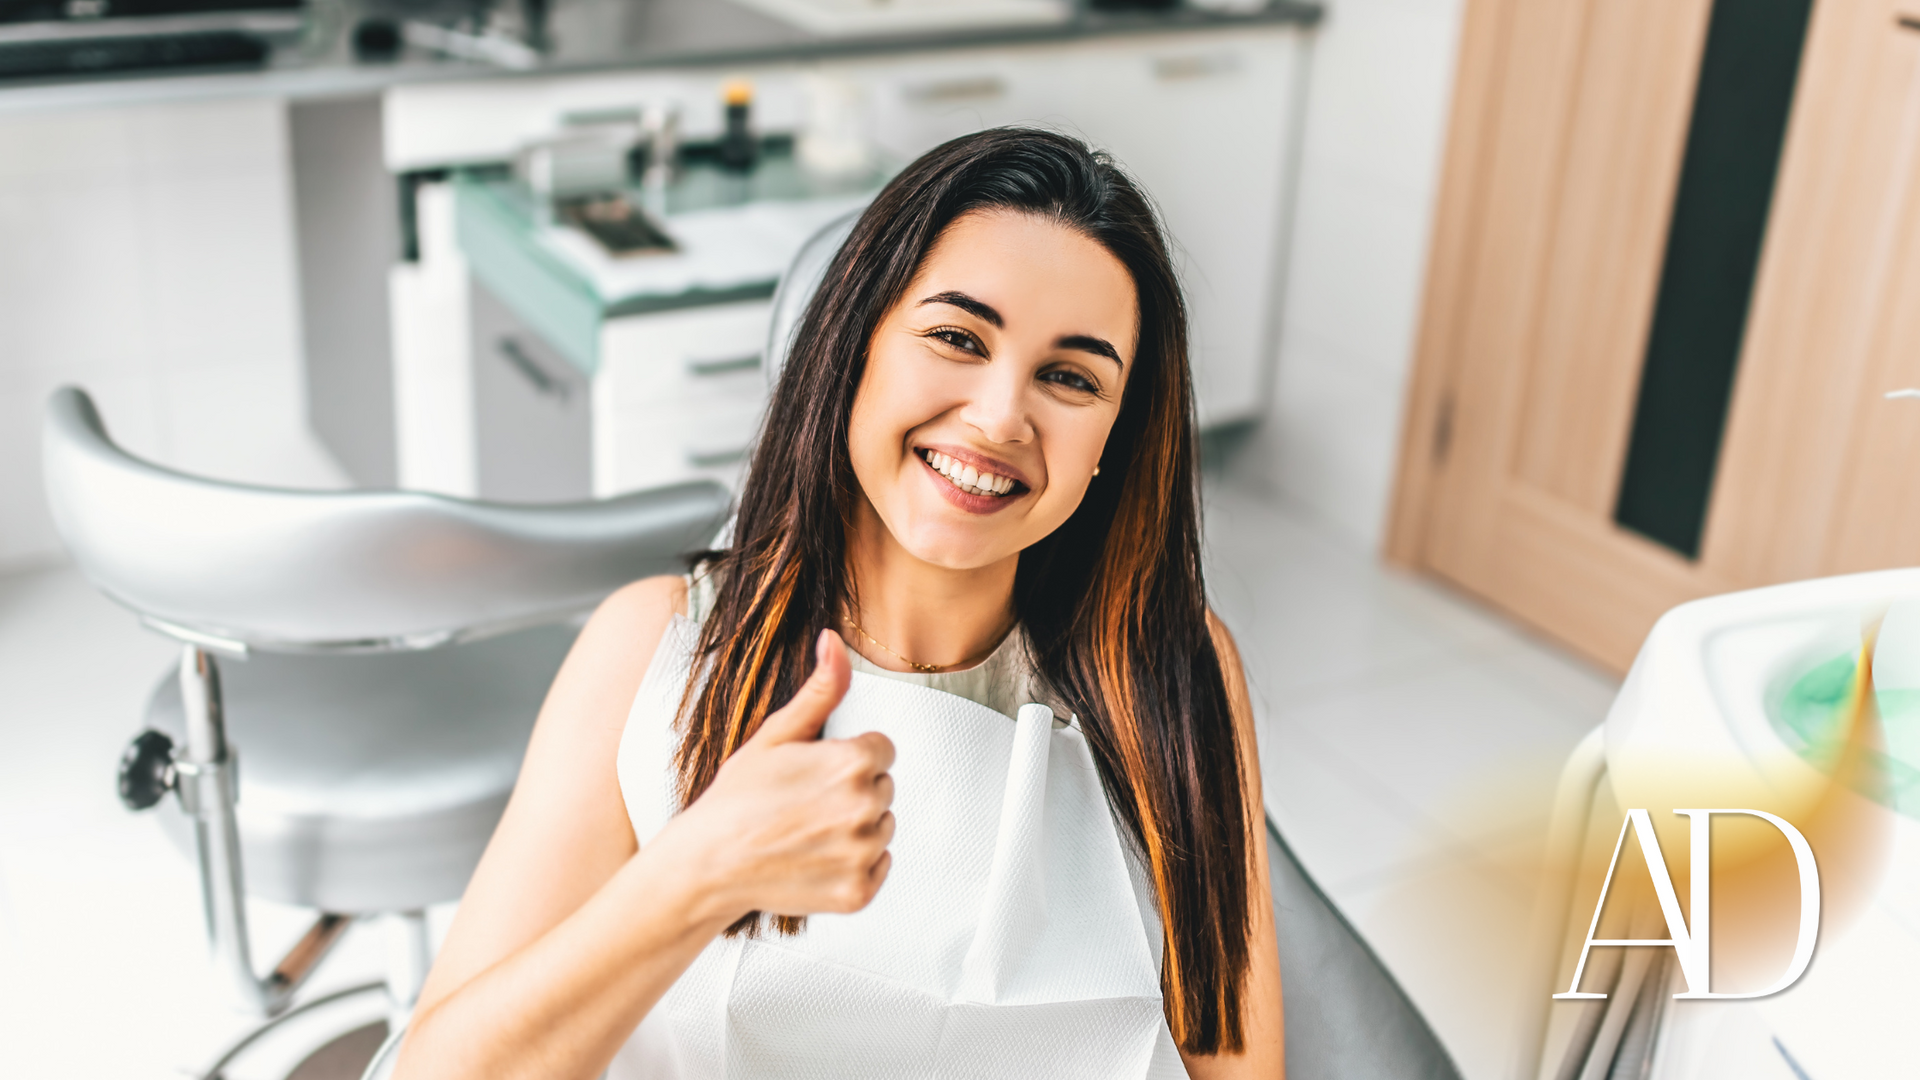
(1376, 127)
(146, 254)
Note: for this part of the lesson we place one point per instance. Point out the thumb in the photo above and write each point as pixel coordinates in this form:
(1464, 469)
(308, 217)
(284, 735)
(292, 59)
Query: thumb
(801, 719)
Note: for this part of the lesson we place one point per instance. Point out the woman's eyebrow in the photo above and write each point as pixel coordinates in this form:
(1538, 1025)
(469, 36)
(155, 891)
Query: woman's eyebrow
(982, 310)
(967, 304)
(1089, 343)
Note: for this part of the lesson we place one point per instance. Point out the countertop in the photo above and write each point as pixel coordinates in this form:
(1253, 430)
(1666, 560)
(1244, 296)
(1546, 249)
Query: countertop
(587, 36)
(734, 244)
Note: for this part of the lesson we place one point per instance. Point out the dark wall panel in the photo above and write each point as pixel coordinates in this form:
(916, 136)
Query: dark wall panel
(1740, 111)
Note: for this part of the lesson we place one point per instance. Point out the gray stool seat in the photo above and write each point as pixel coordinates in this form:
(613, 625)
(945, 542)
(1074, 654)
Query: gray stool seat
(1346, 1016)
(372, 782)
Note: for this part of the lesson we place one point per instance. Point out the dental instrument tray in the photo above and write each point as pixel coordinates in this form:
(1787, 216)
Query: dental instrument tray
(617, 224)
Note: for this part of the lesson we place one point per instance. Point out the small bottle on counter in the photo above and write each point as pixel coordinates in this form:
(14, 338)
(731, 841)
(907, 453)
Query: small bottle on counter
(738, 147)
(659, 144)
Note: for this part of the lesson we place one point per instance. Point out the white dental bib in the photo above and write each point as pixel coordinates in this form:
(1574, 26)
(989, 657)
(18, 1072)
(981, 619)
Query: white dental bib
(1014, 936)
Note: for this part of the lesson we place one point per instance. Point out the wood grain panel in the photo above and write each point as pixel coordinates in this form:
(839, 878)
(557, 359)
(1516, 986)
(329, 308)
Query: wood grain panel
(1598, 589)
(1630, 127)
(1526, 160)
(1802, 378)
(1878, 524)
(1426, 419)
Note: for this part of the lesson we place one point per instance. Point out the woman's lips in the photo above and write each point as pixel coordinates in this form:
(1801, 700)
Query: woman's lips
(971, 503)
(980, 463)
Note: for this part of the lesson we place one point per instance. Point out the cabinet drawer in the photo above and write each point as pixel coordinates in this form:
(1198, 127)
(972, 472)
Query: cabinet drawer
(532, 420)
(682, 357)
(666, 443)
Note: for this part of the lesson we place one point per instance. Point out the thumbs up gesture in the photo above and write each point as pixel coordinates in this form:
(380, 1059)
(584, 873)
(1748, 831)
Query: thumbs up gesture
(794, 824)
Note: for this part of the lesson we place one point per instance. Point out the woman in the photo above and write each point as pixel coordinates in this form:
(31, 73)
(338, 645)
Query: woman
(977, 471)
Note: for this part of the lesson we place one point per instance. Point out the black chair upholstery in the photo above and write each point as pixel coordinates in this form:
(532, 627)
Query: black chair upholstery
(1346, 1017)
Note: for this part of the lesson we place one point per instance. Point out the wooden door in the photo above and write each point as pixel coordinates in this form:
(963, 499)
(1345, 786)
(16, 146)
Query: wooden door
(1559, 261)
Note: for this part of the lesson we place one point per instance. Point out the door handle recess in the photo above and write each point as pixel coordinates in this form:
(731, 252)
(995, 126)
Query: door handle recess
(725, 365)
(543, 384)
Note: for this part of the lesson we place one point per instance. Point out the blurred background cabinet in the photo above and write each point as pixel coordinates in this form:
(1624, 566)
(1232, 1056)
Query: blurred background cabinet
(672, 386)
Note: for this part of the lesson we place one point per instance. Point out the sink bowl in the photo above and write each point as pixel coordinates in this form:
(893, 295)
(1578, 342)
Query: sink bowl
(1743, 700)
(1809, 712)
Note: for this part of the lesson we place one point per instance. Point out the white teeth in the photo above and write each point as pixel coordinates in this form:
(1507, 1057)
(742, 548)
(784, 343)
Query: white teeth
(966, 477)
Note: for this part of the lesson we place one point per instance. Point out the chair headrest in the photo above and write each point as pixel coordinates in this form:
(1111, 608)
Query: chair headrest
(251, 567)
(799, 283)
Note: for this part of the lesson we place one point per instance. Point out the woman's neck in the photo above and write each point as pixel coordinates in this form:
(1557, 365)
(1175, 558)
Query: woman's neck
(918, 612)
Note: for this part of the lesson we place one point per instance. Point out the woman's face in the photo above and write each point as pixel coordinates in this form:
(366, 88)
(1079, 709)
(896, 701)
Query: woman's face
(991, 386)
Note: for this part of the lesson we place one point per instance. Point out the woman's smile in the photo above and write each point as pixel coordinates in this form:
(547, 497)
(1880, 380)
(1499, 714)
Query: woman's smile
(970, 481)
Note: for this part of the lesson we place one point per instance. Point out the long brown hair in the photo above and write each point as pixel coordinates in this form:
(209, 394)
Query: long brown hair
(1113, 601)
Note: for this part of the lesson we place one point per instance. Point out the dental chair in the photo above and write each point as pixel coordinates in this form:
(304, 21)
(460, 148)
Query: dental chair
(376, 658)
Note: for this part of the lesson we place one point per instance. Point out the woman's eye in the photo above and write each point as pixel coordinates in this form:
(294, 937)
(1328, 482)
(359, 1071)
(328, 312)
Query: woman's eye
(956, 338)
(1072, 380)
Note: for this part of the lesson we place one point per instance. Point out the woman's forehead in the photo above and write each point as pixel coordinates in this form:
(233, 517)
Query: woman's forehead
(1039, 276)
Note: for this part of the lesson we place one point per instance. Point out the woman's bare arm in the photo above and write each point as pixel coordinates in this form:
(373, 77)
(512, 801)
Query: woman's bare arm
(1265, 1054)
(569, 934)
(563, 838)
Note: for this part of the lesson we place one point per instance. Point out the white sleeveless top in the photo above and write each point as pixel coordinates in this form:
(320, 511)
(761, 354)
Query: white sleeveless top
(1016, 934)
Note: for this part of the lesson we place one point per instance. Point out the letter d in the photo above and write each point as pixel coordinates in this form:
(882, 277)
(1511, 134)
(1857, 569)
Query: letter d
(1809, 896)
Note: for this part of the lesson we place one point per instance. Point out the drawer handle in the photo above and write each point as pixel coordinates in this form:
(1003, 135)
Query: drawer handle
(543, 384)
(707, 459)
(948, 91)
(725, 365)
(1194, 66)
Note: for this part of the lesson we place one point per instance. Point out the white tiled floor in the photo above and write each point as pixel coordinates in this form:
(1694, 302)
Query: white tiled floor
(1409, 746)
(1409, 741)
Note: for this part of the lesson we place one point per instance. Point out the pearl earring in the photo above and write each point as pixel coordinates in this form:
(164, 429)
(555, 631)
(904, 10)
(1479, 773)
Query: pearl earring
(1096, 470)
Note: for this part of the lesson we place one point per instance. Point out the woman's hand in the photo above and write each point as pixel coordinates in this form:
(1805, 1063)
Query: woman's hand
(792, 824)
(569, 935)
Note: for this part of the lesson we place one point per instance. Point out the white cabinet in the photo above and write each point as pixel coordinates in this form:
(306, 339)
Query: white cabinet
(678, 396)
(1206, 125)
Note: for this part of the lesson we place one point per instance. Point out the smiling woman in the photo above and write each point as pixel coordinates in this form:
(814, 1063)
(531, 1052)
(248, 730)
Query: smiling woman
(991, 388)
(980, 463)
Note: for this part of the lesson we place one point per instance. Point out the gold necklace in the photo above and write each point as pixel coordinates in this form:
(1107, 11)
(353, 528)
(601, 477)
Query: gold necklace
(924, 669)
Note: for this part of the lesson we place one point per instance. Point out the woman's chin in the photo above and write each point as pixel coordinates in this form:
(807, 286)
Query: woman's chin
(956, 543)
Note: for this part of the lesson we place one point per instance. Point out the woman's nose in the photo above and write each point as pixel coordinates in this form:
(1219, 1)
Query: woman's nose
(998, 406)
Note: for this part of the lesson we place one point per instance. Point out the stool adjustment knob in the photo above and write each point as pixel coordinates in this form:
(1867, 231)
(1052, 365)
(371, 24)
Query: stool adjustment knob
(146, 770)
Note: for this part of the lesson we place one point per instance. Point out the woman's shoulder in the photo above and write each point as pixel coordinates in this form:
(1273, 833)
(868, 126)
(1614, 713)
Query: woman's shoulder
(616, 646)
(641, 611)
